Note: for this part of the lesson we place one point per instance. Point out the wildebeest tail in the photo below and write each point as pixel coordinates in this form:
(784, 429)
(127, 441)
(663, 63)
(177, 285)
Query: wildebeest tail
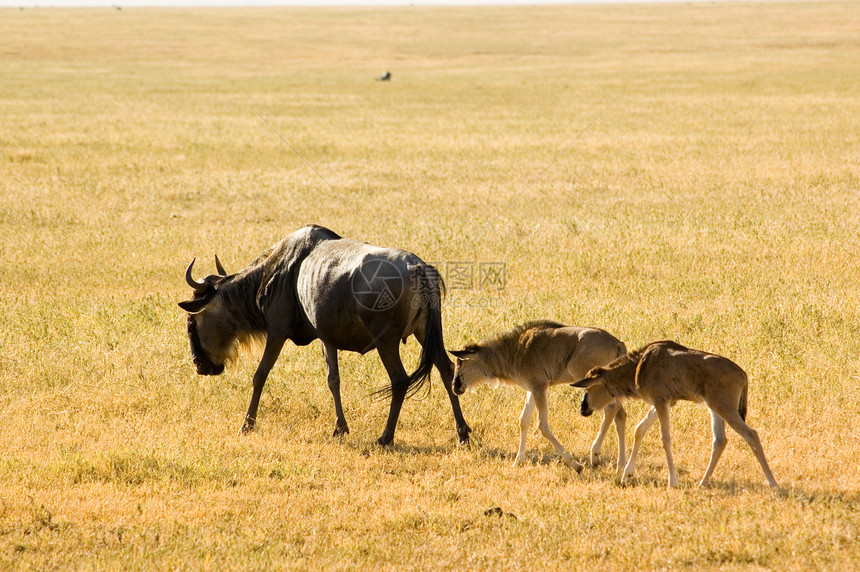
(742, 406)
(433, 349)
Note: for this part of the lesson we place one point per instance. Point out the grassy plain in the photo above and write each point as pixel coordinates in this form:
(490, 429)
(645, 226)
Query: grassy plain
(715, 200)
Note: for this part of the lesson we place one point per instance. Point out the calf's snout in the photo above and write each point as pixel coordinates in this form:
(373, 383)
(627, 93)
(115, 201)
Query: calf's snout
(458, 386)
(585, 408)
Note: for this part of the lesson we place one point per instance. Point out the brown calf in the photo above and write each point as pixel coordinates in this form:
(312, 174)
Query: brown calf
(662, 373)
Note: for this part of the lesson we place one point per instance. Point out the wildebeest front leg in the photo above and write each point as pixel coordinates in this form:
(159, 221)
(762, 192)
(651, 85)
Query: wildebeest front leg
(270, 356)
(330, 354)
(666, 435)
(543, 424)
(525, 422)
(399, 378)
(641, 430)
(620, 429)
(608, 417)
(613, 412)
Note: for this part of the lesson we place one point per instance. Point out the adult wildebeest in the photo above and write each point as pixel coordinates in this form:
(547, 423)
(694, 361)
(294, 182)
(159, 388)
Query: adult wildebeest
(314, 284)
(662, 373)
(538, 355)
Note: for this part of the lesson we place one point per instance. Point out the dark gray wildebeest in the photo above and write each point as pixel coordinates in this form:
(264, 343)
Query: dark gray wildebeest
(538, 355)
(662, 373)
(349, 294)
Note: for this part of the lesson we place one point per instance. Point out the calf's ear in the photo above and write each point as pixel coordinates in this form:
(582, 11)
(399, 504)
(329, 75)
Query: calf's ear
(592, 378)
(463, 354)
(586, 383)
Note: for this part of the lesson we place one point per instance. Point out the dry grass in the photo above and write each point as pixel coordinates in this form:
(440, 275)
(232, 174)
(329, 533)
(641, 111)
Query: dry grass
(715, 201)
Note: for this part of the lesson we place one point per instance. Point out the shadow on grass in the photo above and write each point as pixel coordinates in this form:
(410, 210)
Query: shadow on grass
(399, 449)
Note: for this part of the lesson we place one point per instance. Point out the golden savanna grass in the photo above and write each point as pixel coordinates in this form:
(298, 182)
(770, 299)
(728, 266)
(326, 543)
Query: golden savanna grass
(662, 171)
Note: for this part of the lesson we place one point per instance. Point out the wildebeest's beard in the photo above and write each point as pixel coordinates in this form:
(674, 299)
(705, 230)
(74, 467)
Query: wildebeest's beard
(204, 365)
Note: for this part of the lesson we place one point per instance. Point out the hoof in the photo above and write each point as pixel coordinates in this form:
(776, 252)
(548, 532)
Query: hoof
(571, 462)
(463, 434)
(384, 442)
(340, 431)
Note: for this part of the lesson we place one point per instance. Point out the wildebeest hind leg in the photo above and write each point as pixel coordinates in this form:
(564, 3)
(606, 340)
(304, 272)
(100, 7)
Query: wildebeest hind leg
(390, 357)
(330, 354)
(613, 412)
(751, 437)
(446, 371)
(719, 429)
(543, 423)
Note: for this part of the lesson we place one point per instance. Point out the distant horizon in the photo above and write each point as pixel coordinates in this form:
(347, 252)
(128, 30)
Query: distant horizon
(319, 3)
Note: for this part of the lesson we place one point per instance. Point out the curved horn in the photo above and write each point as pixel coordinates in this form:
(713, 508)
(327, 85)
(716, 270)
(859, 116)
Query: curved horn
(219, 267)
(198, 286)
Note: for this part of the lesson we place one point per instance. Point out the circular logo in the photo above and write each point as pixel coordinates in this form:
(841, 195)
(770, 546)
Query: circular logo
(377, 285)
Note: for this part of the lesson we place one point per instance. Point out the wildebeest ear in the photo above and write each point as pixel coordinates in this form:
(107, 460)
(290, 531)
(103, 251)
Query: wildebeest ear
(464, 353)
(194, 306)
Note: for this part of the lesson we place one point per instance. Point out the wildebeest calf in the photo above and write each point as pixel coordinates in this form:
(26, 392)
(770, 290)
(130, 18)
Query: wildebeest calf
(662, 373)
(535, 356)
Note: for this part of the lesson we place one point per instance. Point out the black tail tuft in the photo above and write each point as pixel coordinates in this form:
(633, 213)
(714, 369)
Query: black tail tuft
(434, 344)
(742, 406)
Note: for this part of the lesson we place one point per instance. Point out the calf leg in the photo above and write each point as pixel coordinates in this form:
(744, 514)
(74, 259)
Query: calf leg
(274, 345)
(641, 430)
(608, 416)
(666, 434)
(543, 423)
(718, 426)
(612, 412)
(749, 434)
(330, 353)
(620, 428)
(525, 422)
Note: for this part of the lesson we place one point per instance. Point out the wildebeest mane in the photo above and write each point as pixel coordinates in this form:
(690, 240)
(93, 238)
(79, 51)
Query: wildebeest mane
(636, 355)
(279, 266)
(513, 335)
(501, 351)
(240, 294)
